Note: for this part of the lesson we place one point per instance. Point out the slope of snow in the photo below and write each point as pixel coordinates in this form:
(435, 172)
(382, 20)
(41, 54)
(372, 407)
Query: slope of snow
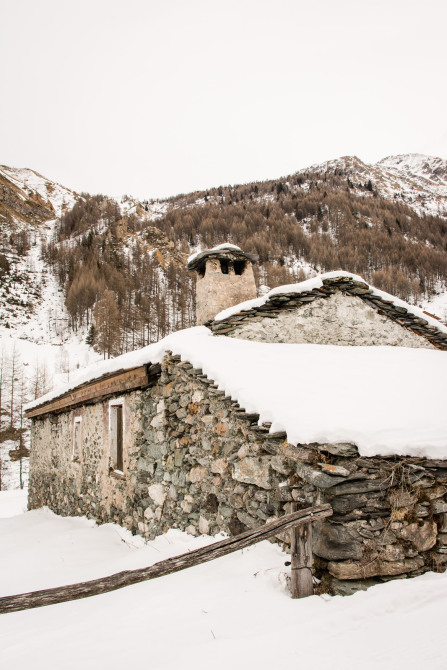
(13, 503)
(417, 180)
(363, 395)
(418, 165)
(42, 320)
(234, 612)
(60, 197)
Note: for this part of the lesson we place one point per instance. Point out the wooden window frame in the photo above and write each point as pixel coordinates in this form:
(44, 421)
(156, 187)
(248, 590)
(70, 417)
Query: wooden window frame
(77, 433)
(116, 435)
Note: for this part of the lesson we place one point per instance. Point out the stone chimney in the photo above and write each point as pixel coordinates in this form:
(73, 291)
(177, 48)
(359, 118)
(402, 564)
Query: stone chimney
(224, 278)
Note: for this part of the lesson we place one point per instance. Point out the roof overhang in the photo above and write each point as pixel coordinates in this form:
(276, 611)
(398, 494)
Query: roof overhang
(227, 252)
(98, 390)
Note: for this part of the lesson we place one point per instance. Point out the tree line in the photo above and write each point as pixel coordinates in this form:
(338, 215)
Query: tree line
(328, 221)
(116, 282)
(17, 388)
(127, 281)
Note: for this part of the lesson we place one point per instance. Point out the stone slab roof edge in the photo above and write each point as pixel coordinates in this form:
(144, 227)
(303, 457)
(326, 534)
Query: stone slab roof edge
(335, 279)
(147, 356)
(223, 250)
(380, 419)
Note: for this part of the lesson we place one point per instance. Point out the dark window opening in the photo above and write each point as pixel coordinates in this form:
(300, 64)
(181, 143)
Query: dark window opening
(239, 267)
(201, 269)
(224, 265)
(117, 437)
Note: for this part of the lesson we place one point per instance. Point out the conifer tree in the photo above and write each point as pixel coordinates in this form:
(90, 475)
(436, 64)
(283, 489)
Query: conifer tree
(107, 322)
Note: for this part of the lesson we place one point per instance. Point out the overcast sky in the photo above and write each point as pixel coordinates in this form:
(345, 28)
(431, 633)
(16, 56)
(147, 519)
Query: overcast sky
(157, 97)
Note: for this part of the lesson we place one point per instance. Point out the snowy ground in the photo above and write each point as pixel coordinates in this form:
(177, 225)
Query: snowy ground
(234, 612)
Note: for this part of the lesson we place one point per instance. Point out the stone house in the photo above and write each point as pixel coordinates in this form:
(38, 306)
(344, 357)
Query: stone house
(181, 434)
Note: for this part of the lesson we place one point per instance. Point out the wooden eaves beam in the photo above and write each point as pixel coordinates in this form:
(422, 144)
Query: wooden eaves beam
(94, 391)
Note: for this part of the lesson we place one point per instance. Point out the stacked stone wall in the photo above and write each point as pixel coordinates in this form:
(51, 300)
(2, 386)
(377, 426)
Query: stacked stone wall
(196, 461)
(342, 311)
(217, 291)
(220, 470)
(86, 486)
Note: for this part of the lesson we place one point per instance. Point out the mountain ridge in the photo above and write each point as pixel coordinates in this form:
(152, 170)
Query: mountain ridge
(26, 196)
(417, 180)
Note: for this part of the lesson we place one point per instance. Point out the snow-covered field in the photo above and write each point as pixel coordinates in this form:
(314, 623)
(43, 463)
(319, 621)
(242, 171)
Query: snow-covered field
(235, 612)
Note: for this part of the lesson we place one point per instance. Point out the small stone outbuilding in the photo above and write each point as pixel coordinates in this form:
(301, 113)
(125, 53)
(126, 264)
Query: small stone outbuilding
(181, 434)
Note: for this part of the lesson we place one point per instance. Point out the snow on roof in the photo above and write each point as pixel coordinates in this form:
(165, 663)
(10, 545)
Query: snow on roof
(386, 400)
(317, 282)
(219, 247)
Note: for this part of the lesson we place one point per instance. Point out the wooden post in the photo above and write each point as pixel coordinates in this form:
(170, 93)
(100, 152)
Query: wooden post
(301, 557)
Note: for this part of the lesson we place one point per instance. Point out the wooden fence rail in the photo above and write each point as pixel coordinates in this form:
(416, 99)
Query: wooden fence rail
(60, 594)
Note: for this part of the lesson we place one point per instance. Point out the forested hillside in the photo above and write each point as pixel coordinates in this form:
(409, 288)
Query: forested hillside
(325, 220)
(123, 278)
(124, 273)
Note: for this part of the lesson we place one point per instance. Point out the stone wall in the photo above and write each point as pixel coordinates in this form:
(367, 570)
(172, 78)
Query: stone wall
(87, 486)
(195, 460)
(342, 311)
(338, 319)
(216, 291)
(221, 471)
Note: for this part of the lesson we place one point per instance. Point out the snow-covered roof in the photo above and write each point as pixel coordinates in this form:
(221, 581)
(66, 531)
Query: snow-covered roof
(386, 400)
(318, 282)
(226, 245)
(219, 250)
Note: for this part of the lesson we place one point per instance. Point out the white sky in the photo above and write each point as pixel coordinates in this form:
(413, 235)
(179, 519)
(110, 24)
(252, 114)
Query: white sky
(159, 97)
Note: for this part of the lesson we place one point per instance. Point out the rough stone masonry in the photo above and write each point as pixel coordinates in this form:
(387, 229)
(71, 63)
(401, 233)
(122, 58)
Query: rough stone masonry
(195, 460)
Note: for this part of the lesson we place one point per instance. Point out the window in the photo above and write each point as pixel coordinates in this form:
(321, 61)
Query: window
(116, 436)
(239, 267)
(76, 439)
(224, 265)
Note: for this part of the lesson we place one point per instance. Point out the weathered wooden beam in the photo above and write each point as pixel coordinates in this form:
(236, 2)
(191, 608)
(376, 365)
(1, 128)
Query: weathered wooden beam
(94, 391)
(62, 594)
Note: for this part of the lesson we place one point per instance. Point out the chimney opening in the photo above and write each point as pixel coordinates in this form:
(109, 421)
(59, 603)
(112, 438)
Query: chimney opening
(239, 267)
(224, 265)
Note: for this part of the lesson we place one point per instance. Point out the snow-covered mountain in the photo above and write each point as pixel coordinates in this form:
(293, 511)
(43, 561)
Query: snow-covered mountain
(28, 197)
(418, 181)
